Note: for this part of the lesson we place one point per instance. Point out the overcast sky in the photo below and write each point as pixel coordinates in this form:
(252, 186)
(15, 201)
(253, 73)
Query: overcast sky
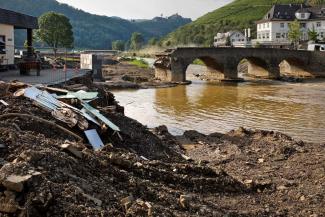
(138, 9)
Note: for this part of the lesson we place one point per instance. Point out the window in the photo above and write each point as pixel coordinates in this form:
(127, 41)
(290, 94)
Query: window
(322, 34)
(303, 25)
(2, 44)
(282, 25)
(264, 25)
(318, 24)
(267, 35)
(303, 16)
(267, 25)
(278, 35)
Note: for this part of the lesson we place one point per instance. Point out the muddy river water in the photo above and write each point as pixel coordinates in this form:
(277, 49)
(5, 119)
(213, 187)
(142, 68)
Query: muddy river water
(297, 109)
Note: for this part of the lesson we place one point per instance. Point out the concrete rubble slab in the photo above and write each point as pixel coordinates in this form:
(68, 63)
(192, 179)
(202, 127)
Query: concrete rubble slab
(16, 182)
(72, 149)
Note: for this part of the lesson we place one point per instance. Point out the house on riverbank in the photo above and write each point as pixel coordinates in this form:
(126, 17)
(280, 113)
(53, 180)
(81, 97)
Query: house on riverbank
(231, 38)
(9, 21)
(273, 29)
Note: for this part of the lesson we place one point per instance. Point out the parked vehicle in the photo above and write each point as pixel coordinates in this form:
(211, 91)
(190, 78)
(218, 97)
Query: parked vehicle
(316, 47)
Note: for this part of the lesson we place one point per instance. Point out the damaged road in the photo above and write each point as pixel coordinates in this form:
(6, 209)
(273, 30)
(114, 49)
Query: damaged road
(49, 167)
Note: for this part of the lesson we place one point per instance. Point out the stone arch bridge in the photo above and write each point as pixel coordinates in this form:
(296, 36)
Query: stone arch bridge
(222, 63)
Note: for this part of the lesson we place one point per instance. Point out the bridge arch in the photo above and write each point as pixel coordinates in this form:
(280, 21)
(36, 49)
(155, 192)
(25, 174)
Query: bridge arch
(214, 68)
(253, 67)
(294, 67)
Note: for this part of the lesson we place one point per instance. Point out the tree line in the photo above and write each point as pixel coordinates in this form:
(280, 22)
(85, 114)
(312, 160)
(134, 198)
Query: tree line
(136, 42)
(55, 30)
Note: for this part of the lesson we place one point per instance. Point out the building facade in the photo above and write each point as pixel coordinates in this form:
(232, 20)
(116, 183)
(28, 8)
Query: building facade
(273, 29)
(9, 21)
(7, 46)
(232, 38)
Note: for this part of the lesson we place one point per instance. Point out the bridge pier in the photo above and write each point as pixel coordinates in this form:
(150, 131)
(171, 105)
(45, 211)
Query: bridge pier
(274, 71)
(179, 71)
(175, 72)
(230, 73)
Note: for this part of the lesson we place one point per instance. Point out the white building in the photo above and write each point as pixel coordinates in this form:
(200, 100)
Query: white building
(9, 21)
(235, 38)
(273, 29)
(7, 47)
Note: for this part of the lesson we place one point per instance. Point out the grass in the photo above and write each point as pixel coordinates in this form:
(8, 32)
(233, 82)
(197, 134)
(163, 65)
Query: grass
(71, 59)
(139, 63)
(198, 62)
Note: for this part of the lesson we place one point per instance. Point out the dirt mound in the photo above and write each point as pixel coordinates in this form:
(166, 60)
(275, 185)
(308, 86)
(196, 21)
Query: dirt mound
(287, 175)
(58, 183)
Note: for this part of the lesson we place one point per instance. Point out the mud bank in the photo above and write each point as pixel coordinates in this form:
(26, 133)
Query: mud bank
(122, 75)
(47, 171)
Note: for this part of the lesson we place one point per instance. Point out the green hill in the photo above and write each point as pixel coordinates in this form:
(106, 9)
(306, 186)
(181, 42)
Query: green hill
(93, 31)
(239, 14)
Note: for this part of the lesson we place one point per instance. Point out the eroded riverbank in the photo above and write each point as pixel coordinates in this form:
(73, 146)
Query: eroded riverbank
(293, 108)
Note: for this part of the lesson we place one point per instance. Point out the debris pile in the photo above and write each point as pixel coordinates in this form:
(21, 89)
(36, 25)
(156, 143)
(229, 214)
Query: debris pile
(67, 152)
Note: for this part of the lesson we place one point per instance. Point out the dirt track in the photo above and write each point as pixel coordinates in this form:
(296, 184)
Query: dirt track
(242, 173)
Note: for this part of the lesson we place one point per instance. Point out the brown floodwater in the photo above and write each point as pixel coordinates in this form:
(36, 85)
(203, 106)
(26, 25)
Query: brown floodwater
(297, 109)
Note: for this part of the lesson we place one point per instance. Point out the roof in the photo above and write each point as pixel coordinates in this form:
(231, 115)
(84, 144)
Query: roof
(317, 12)
(18, 20)
(287, 12)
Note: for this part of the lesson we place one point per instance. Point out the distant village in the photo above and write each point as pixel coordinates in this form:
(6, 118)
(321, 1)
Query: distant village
(273, 30)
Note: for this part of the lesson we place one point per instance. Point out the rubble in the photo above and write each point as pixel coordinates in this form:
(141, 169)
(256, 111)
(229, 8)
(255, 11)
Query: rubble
(184, 201)
(72, 148)
(15, 182)
(4, 103)
(49, 168)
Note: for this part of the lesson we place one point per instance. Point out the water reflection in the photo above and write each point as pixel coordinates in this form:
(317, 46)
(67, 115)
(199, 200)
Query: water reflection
(295, 109)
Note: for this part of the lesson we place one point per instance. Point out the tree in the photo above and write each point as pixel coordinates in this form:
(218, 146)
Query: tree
(118, 45)
(127, 45)
(26, 46)
(294, 33)
(312, 35)
(228, 41)
(153, 41)
(137, 41)
(55, 30)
